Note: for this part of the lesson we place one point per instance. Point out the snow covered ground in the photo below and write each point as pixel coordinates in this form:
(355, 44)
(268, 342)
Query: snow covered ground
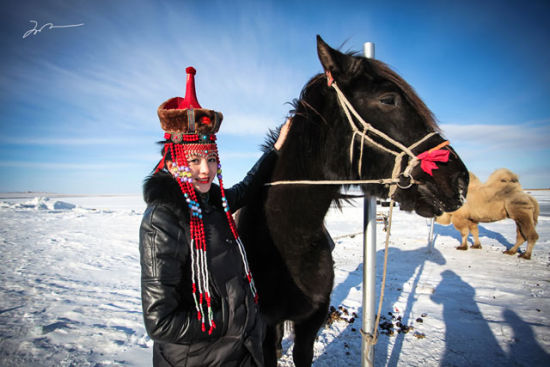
(70, 293)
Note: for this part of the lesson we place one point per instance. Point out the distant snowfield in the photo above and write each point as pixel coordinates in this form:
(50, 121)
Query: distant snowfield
(70, 291)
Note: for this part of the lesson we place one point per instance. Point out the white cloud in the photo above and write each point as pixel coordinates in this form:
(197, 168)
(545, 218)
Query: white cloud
(525, 136)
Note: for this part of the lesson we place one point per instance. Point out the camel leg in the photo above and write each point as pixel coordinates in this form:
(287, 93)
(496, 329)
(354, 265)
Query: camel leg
(475, 232)
(524, 213)
(530, 244)
(462, 226)
(529, 233)
(272, 344)
(519, 240)
(305, 333)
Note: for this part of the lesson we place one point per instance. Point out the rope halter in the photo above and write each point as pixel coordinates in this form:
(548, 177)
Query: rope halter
(427, 158)
(403, 180)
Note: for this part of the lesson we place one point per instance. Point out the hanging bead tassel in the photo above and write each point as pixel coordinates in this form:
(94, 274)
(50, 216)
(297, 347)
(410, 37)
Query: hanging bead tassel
(197, 246)
(199, 272)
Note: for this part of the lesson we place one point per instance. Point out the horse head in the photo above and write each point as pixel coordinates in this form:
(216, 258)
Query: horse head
(387, 132)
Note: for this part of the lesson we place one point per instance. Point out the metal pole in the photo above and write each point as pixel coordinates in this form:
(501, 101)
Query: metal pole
(369, 263)
(431, 236)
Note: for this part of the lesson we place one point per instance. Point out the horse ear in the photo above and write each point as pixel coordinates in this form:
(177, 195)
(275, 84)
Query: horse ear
(333, 61)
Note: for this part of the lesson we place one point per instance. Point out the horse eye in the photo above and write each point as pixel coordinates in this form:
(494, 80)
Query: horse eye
(388, 99)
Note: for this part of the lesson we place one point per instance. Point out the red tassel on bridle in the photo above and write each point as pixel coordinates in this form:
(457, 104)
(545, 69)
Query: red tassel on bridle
(429, 157)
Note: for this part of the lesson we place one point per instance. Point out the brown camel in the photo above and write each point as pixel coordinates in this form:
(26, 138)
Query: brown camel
(499, 198)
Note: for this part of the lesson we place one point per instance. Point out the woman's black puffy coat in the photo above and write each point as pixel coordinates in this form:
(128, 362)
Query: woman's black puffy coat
(168, 307)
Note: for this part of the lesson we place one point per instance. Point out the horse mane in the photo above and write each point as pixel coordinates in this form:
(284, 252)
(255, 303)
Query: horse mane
(381, 69)
(308, 121)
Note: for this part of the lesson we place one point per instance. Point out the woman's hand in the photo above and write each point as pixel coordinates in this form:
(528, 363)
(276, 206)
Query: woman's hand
(282, 134)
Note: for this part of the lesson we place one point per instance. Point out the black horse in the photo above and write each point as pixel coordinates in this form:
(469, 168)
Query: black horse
(287, 245)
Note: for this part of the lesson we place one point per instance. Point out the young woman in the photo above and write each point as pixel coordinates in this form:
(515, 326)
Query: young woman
(198, 295)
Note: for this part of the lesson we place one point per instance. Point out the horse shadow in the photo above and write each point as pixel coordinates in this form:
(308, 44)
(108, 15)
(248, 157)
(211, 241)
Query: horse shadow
(409, 263)
(450, 231)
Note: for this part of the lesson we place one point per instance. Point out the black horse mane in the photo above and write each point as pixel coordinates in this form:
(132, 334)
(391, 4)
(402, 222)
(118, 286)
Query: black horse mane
(315, 92)
(308, 121)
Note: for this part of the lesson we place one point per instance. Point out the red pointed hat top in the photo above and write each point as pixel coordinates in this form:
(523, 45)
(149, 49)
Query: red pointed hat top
(175, 113)
(190, 100)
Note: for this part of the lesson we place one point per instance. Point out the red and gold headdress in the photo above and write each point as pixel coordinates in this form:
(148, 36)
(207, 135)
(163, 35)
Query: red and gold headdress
(190, 129)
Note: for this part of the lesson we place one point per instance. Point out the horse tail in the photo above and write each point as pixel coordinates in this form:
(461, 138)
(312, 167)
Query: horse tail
(444, 219)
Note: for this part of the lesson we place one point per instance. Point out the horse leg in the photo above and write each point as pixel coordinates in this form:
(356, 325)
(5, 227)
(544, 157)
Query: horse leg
(305, 333)
(474, 229)
(272, 346)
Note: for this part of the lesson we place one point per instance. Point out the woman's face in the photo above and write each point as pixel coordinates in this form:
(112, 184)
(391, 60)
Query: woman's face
(203, 170)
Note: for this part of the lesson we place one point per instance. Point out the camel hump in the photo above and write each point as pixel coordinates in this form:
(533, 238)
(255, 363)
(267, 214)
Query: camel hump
(503, 177)
(474, 181)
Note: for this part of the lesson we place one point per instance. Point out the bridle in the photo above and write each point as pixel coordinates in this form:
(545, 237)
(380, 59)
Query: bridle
(402, 179)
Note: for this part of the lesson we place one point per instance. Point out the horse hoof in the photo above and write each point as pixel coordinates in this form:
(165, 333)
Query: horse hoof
(477, 247)
(508, 252)
(462, 248)
(526, 257)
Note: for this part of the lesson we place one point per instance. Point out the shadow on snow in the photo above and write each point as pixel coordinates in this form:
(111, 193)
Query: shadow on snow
(469, 340)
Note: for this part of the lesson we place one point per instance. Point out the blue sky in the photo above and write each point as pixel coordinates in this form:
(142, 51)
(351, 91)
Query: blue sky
(79, 103)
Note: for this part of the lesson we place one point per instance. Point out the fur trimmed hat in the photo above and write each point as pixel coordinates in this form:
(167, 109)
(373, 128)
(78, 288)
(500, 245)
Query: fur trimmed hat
(185, 115)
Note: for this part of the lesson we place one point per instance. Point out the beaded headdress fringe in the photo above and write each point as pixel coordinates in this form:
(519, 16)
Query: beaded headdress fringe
(198, 253)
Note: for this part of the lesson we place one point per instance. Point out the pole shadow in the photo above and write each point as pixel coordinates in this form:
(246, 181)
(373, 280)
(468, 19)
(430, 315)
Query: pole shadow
(409, 263)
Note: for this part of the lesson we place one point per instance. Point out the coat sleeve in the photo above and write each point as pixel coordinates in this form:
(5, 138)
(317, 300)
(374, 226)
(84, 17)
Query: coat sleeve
(164, 249)
(250, 187)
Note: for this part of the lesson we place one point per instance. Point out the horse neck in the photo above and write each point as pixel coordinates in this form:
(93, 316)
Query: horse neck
(304, 206)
